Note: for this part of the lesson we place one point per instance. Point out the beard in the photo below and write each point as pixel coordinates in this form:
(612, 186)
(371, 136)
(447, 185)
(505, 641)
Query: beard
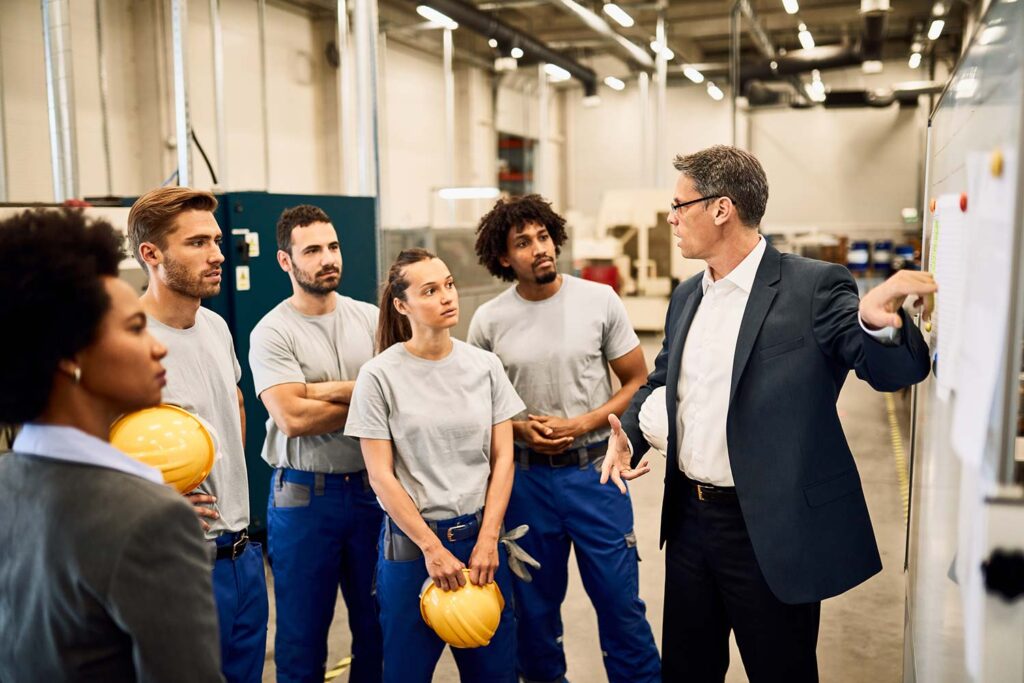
(180, 280)
(547, 278)
(313, 284)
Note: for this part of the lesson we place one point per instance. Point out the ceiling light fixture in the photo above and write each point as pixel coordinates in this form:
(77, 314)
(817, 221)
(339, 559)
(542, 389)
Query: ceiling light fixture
(657, 48)
(468, 192)
(806, 39)
(435, 17)
(492, 43)
(915, 60)
(715, 92)
(693, 74)
(517, 53)
(935, 30)
(618, 14)
(556, 74)
(791, 6)
(614, 83)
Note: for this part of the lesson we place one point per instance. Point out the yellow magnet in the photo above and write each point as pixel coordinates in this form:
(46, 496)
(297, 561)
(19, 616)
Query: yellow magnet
(928, 326)
(996, 163)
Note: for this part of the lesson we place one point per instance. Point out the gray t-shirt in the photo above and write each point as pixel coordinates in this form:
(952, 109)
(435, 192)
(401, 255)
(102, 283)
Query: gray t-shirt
(438, 416)
(286, 347)
(202, 378)
(556, 351)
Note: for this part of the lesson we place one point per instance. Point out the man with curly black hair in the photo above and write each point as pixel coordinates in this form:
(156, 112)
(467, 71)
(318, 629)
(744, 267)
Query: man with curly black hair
(556, 335)
(87, 593)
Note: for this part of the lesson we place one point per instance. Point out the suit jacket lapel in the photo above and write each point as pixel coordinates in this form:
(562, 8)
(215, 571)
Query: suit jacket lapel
(762, 293)
(675, 357)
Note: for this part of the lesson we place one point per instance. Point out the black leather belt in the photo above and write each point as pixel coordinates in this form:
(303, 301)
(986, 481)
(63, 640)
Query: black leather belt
(579, 457)
(232, 551)
(713, 494)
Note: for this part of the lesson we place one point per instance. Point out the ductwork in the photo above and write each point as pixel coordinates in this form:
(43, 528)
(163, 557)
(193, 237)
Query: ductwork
(60, 98)
(489, 27)
(796, 62)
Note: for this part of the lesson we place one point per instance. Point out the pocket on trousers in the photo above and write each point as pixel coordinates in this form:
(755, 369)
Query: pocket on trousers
(836, 487)
(288, 494)
(781, 348)
(631, 543)
(400, 548)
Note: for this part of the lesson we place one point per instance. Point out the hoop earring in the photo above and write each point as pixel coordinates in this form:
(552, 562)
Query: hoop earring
(77, 375)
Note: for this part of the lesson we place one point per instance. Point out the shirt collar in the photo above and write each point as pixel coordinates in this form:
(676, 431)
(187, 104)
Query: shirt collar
(742, 275)
(73, 445)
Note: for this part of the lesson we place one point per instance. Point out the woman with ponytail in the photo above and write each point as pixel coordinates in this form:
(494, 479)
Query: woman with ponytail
(434, 418)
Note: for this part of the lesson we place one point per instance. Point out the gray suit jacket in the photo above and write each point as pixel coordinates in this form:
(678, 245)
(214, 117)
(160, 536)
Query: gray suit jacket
(103, 577)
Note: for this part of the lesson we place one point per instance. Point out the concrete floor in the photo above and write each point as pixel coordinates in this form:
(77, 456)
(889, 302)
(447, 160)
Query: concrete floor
(861, 637)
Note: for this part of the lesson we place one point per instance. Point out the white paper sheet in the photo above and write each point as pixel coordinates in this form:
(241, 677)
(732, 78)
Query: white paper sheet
(948, 266)
(985, 306)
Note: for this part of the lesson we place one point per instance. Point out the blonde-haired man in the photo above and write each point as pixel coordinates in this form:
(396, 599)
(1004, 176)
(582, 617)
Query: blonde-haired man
(174, 235)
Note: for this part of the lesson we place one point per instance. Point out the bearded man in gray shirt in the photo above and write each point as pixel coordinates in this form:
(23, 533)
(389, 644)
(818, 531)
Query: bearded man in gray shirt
(556, 336)
(323, 519)
(175, 237)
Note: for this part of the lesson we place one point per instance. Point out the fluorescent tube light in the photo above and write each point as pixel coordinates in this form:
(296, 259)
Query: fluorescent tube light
(791, 6)
(657, 48)
(614, 83)
(432, 15)
(715, 92)
(468, 192)
(915, 60)
(492, 43)
(618, 14)
(935, 30)
(806, 39)
(556, 74)
(517, 53)
(693, 74)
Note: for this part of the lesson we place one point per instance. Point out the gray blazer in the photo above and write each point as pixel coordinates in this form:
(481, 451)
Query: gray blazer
(103, 577)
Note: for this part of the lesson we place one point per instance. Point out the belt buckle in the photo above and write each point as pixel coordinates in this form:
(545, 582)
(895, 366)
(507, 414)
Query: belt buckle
(551, 460)
(449, 535)
(238, 547)
(700, 492)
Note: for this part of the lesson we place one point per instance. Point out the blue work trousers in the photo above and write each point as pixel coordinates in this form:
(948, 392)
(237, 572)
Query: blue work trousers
(322, 534)
(240, 590)
(568, 506)
(411, 648)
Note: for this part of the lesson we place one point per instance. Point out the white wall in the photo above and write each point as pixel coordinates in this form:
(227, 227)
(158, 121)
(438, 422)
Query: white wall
(302, 108)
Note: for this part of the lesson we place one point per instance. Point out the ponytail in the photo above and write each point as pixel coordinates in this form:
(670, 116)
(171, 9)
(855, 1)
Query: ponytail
(392, 326)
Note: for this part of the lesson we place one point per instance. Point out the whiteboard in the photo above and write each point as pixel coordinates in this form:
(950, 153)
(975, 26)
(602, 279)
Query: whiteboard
(974, 130)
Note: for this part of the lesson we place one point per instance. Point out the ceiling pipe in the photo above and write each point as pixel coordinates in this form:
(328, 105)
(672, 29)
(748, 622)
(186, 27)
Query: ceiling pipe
(636, 54)
(489, 27)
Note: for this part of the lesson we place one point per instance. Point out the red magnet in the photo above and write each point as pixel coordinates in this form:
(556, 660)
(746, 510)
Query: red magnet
(931, 205)
(963, 201)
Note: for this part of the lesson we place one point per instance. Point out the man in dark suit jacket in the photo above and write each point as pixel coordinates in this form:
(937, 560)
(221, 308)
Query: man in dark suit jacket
(763, 513)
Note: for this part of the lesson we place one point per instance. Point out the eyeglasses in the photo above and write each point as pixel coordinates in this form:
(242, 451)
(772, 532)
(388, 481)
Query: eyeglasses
(675, 207)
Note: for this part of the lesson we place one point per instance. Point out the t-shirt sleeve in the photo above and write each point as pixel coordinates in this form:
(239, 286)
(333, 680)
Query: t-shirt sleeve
(272, 359)
(477, 337)
(619, 336)
(369, 413)
(505, 402)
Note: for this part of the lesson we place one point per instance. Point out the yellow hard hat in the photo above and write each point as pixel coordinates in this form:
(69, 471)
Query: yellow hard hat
(466, 617)
(170, 439)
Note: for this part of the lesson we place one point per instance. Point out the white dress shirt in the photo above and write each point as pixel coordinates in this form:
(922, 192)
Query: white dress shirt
(705, 377)
(73, 445)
